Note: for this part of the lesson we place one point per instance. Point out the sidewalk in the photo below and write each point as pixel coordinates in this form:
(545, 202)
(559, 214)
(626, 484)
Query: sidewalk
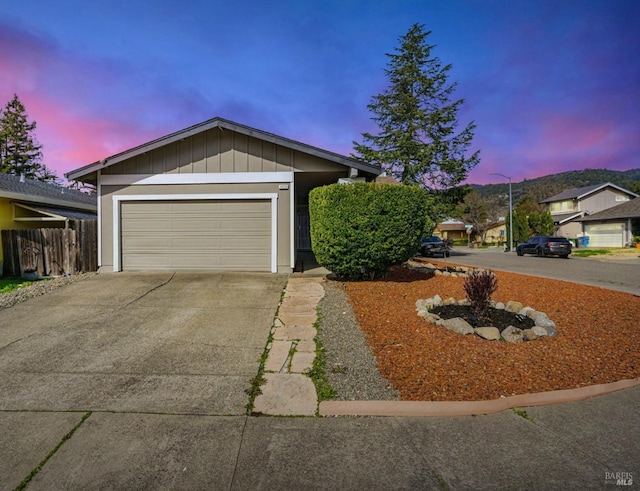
(568, 446)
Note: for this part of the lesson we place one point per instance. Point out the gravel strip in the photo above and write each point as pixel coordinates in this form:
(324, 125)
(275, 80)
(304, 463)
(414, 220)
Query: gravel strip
(38, 288)
(351, 367)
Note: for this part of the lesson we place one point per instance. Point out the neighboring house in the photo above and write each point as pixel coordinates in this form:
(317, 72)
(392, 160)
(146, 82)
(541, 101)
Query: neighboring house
(457, 230)
(29, 204)
(569, 206)
(614, 226)
(497, 234)
(451, 229)
(216, 196)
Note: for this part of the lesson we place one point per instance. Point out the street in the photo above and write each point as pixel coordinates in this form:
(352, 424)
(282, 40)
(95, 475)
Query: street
(617, 273)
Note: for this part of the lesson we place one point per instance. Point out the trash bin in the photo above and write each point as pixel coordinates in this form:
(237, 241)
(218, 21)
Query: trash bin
(585, 241)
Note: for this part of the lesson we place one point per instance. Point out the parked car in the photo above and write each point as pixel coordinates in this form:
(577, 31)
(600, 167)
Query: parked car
(543, 245)
(434, 245)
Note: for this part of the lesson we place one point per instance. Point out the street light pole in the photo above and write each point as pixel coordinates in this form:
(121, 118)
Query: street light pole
(510, 211)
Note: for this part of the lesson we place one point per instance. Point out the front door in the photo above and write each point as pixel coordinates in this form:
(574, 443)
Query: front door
(304, 228)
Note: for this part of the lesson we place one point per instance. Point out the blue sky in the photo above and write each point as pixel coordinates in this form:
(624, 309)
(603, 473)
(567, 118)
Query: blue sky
(552, 85)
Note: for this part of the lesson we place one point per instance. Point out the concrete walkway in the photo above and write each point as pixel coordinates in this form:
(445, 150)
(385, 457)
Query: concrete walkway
(288, 391)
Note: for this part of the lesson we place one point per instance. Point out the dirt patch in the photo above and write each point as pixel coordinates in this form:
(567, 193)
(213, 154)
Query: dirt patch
(597, 339)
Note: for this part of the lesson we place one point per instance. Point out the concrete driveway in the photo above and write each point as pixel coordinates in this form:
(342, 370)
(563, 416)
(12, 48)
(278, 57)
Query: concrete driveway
(175, 343)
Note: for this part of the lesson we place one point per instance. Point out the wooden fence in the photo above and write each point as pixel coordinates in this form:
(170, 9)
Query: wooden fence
(51, 251)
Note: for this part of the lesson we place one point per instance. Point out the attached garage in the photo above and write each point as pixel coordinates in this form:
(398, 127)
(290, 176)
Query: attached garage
(215, 196)
(605, 234)
(233, 234)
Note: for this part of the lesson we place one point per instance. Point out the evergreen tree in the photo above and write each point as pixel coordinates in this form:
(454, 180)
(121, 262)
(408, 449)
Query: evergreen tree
(521, 231)
(417, 142)
(20, 153)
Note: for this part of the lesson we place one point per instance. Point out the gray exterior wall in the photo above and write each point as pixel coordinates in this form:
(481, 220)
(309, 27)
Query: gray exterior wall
(601, 201)
(218, 151)
(569, 230)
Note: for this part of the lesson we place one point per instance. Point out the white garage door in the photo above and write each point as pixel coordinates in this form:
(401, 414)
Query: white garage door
(196, 235)
(605, 235)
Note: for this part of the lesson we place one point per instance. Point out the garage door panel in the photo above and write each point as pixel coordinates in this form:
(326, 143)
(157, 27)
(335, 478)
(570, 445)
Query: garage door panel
(225, 234)
(605, 235)
(195, 262)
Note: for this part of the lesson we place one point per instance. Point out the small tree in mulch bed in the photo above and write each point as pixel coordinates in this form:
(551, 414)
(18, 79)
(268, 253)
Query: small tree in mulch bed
(479, 285)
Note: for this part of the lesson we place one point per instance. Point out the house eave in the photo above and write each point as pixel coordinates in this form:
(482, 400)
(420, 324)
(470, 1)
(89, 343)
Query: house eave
(26, 198)
(78, 174)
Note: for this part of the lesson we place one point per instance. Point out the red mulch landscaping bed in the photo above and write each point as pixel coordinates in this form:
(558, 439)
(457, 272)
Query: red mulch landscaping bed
(598, 338)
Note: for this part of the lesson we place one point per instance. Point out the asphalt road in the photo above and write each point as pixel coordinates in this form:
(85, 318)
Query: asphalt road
(621, 274)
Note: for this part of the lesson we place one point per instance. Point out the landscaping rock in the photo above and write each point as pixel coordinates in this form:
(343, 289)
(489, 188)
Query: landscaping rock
(542, 320)
(513, 335)
(489, 333)
(458, 325)
(540, 331)
(513, 306)
(543, 326)
(526, 311)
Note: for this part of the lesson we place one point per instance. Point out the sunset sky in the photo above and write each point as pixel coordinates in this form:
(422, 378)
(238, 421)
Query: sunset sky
(552, 85)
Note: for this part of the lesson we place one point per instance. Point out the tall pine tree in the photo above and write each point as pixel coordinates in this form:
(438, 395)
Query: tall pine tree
(20, 153)
(417, 142)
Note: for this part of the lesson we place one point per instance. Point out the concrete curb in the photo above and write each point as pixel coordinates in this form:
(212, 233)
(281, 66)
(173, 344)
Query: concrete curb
(467, 408)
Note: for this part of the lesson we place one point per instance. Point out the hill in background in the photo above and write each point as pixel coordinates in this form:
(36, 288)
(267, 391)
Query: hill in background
(547, 186)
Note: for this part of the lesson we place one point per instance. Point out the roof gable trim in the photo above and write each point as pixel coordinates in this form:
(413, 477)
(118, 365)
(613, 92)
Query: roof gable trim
(229, 125)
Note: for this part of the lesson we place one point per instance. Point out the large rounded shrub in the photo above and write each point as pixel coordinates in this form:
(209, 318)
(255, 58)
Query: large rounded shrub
(359, 230)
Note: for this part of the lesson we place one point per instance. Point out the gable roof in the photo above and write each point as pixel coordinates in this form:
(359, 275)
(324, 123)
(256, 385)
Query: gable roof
(581, 193)
(31, 191)
(629, 209)
(217, 122)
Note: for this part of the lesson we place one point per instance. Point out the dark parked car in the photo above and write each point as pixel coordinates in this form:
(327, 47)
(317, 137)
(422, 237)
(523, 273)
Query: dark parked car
(434, 245)
(543, 245)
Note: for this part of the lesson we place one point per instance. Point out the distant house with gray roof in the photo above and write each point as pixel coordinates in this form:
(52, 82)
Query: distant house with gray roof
(616, 224)
(569, 207)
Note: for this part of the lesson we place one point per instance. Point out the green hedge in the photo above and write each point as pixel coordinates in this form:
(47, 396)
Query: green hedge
(359, 230)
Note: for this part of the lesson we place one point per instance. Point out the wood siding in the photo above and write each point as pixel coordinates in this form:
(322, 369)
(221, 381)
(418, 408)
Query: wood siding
(211, 151)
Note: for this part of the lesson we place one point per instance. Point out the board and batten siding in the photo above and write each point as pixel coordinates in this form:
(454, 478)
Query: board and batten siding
(212, 151)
